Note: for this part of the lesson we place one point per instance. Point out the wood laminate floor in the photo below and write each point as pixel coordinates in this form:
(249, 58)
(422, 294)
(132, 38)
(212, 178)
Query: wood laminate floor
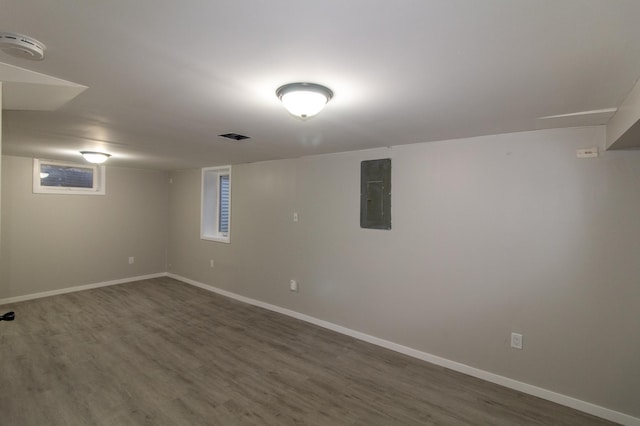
(160, 352)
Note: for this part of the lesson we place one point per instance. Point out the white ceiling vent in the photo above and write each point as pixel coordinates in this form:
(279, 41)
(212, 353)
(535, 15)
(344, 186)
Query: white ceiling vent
(22, 46)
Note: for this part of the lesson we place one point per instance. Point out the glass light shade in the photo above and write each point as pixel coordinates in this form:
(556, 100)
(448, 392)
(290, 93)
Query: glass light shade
(304, 104)
(95, 157)
(304, 100)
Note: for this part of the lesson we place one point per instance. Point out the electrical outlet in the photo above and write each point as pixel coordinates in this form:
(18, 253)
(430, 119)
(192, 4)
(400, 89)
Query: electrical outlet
(516, 340)
(293, 285)
(131, 260)
(211, 262)
(587, 152)
(295, 216)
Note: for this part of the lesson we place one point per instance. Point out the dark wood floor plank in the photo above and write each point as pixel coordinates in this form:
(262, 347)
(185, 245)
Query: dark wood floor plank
(160, 352)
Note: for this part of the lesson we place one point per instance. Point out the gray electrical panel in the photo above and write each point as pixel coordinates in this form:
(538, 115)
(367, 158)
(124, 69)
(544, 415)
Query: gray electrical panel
(375, 194)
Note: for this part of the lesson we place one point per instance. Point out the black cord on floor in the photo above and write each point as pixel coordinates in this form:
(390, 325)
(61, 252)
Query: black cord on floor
(9, 316)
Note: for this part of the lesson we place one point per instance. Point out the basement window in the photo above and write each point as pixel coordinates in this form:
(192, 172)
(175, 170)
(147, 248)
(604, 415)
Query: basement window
(215, 221)
(59, 177)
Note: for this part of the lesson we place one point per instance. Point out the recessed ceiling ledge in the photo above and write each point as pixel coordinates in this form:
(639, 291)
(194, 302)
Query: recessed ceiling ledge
(623, 130)
(29, 90)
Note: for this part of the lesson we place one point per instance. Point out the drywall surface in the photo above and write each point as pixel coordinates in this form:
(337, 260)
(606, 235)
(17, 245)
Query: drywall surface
(490, 235)
(0, 177)
(51, 242)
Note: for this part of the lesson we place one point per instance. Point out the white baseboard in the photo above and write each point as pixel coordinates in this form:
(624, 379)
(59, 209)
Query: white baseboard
(78, 288)
(558, 398)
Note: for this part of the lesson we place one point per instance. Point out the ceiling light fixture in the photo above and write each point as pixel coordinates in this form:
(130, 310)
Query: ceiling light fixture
(22, 46)
(304, 100)
(95, 157)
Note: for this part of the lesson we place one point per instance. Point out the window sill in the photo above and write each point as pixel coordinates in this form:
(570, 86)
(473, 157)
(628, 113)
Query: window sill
(218, 239)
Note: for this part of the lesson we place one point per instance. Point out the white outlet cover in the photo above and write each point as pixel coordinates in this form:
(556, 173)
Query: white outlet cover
(516, 340)
(293, 285)
(587, 152)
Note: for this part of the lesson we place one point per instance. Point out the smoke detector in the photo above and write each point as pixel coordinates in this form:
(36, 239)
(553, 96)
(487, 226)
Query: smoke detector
(22, 46)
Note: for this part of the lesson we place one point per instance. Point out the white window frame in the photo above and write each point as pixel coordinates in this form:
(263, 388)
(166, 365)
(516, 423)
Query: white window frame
(99, 179)
(210, 204)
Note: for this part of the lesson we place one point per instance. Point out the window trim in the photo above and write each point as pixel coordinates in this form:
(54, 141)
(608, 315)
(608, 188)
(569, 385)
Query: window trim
(210, 217)
(99, 179)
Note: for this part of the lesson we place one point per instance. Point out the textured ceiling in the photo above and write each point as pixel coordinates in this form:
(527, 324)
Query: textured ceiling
(165, 78)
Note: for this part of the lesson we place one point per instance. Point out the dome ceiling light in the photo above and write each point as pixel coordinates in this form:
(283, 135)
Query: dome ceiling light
(304, 100)
(95, 157)
(22, 46)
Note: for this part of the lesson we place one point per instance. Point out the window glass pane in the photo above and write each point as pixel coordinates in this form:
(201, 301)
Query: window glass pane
(223, 218)
(60, 177)
(215, 218)
(66, 176)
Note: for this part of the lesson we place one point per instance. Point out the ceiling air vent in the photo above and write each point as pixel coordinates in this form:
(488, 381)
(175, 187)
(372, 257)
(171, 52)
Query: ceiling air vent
(234, 136)
(22, 46)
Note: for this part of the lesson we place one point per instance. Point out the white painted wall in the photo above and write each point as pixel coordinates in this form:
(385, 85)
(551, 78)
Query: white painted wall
(1, 114)
(490, 235)
(52, 242)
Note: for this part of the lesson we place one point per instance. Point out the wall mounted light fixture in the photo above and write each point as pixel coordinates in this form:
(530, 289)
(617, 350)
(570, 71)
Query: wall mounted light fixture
(304, 100)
